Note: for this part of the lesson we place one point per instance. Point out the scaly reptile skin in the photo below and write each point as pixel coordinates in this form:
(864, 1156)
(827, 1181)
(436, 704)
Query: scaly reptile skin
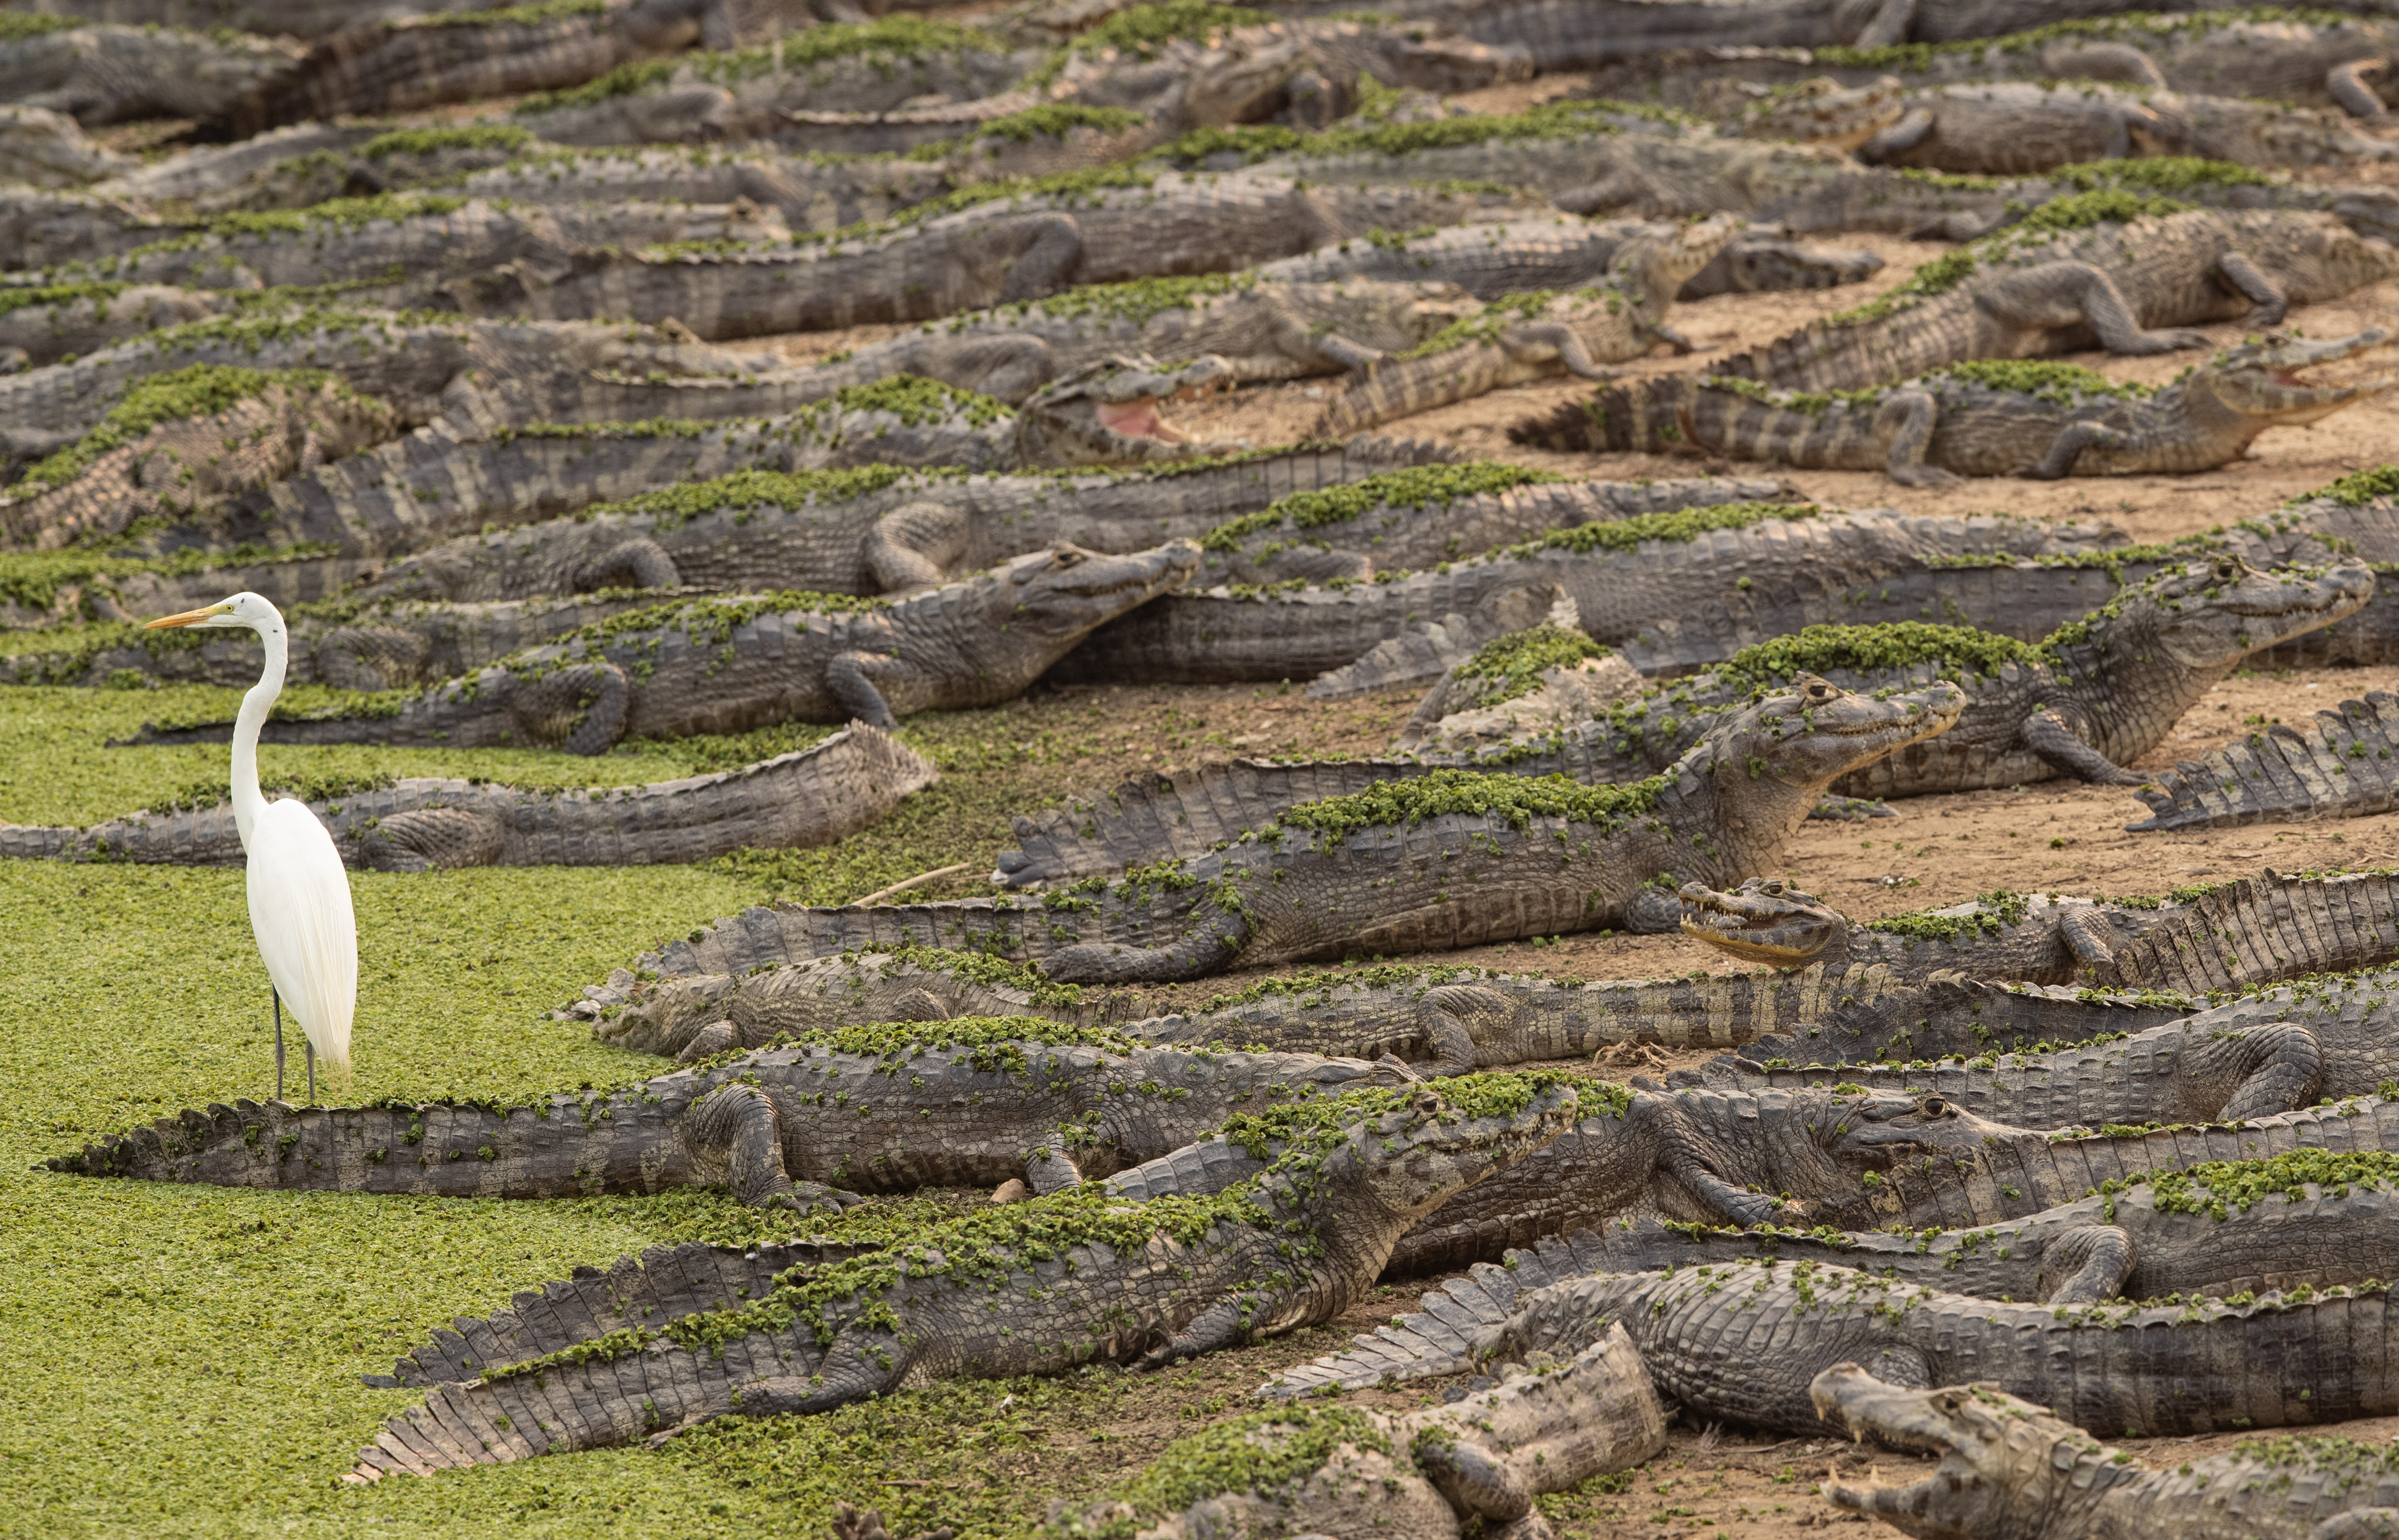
(1417, 1475)
(466, 469)
(1258, 331)
(1493, 260)
(1667, 593)
(2282, 1048)
(1283, 896)
(1117, 1289)
(2026, 127)
(811, 797)
(2316, 1233)
(880, 1108)
(528, 370)
(2010, 1470)
(98, 73)
(379, 647)
(193, 467)
(2258, 930)
(887, 531)
(1535, 336)
(705, 668)
(1419, 527)
(1238, 74)
(2158, 1370)
(1973, 420)
(398, 255)
(2308, 58)
(2129, 286)
(1003, 251)
(1649, 170)
(2339, 768)
(401, 66)
(2013, 1178)
(1444, 1020)
(2109, 695)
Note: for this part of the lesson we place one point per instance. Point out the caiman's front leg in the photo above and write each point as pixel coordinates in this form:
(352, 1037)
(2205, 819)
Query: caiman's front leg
(1905, 422)
(2346, 85)
(2087, 935)
(1889, 26)
(738, 1125)
(2049, 735)
(856, 679)
(2059, 294)
(1223, 1324)
(1913, 129)
(2067, 447)
(1472, 1481)
(1215, 940)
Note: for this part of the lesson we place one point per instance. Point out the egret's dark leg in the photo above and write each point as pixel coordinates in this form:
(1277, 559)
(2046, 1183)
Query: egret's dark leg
(312, 1070)
(271, 994)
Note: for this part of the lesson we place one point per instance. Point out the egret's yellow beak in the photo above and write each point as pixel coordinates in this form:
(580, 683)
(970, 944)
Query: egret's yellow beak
(189, 617)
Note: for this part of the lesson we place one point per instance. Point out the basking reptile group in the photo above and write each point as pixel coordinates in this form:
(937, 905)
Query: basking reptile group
(810, 394)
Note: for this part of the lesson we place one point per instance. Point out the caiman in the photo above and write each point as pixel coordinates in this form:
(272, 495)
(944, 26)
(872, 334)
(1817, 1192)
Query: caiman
(1407, 1475)
(888, 1108)
(2101, 691)
(100, 72)
(2026, 127)
(2338, 768)
(1434, 863)
(814, 796)
(2223, 936)
(2011, 1470)
(2312, 1220)
(1673, 593)
(726, 666)
(1643, 161)
(1491, 261)
(2311, 59)
(2155, 1371)
(879, 530)
(1693, 1154)
(2100, 271)
(1446, 1020)
(1080, 1277)
(1535, 335)
(999, 250)
(2282, 1047)
(2010, 1178)
(2043, 420)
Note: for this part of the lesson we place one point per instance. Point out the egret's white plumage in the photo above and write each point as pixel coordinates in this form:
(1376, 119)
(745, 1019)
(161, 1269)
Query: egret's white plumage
(299, 893)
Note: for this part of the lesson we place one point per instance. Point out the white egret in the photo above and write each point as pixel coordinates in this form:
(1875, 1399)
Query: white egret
(299, 894)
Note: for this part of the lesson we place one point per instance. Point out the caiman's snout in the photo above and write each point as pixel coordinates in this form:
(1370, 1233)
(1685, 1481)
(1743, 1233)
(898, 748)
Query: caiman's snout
(2272, 377)
(1766, 921)
(2005, 1462)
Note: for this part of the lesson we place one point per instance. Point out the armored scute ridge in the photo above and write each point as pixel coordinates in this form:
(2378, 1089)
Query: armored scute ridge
(1192, 774)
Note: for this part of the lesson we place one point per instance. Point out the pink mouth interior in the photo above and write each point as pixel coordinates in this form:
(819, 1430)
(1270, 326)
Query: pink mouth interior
(1138, 419)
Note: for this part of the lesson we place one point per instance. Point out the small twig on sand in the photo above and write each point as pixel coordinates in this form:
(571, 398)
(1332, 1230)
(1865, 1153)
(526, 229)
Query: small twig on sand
(919, 880)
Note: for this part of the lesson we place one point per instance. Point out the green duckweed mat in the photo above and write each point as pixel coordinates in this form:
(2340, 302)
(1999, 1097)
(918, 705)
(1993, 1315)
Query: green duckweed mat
(185, 1360)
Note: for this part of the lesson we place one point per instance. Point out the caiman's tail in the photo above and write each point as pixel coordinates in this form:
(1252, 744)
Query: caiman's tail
(561, 1148)
(665, 1283)
(625, 1389)
(1651, 416)
(2340, 769)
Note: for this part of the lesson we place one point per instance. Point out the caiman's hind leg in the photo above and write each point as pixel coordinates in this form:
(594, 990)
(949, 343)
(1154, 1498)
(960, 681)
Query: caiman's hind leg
(2067, 447)
(1048, 263)
(2049, 735)
(630, 564)
(859, 1365)
(2359, 1524)
(584, 704)
(738, 1128)
(2346, 85)
(2086, 1265)
(2058, 294)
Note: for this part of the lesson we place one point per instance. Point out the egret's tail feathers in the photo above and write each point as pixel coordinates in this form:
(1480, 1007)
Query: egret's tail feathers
(562, 1147)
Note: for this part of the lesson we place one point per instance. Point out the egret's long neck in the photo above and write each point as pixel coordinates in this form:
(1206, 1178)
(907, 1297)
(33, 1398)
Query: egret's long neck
(248, 801)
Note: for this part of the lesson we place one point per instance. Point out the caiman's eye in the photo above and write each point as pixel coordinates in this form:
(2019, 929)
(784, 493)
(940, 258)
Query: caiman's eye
(1772, 890)
(1066, 557)
(1933, 1106)
(2227, 571)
